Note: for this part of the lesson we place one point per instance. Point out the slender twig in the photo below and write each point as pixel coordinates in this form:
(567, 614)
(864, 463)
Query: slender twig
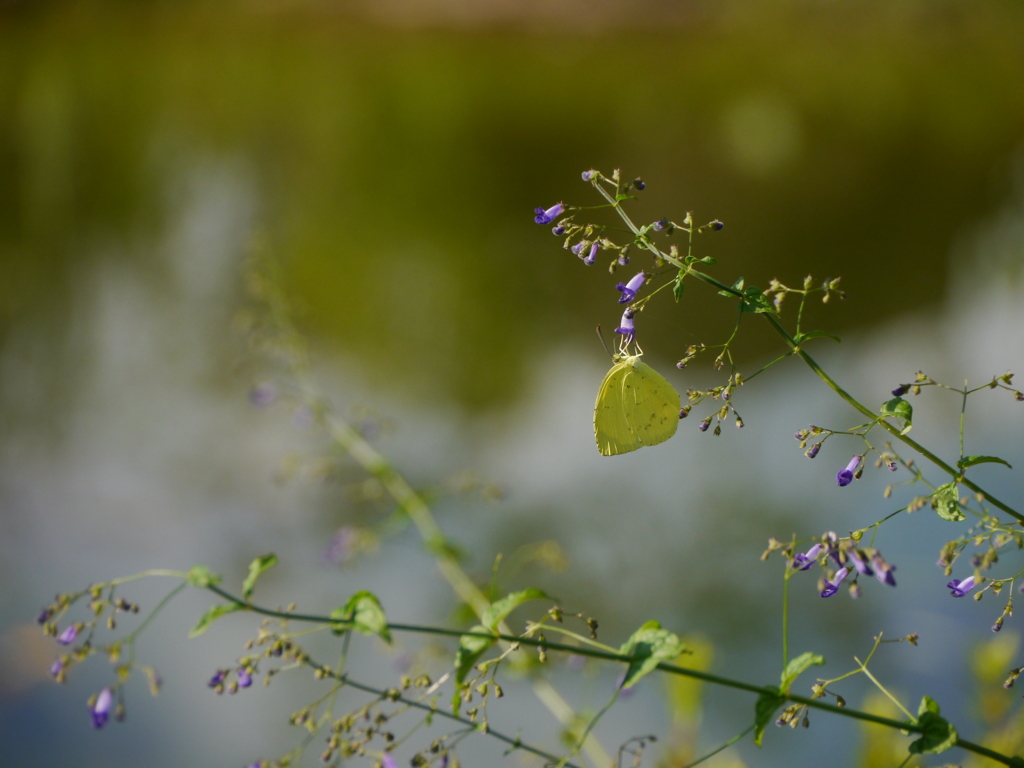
(416, 508)
(626, 658)
(810, 361)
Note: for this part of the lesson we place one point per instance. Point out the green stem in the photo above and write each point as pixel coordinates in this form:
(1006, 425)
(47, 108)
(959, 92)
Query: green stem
(785, 617)
(718, 749)
(130, 638)
(884, 690)
(624, 658)
(813, 365)
(443, 713)
(851, 400)
(963, 413)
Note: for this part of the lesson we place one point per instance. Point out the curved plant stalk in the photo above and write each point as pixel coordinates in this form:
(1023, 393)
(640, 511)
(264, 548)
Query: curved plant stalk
(353, 443)
(795, 347)
(596, 653)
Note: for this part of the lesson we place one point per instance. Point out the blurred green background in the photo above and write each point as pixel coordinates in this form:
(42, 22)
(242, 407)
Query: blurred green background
(394, 166)
(390, 156)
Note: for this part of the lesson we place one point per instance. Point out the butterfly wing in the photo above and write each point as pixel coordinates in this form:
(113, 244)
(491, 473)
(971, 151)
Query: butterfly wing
(611, 428)
(636, 406)
(653, 411)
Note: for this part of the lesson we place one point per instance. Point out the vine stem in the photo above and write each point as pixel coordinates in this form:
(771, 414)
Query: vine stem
(351, 441)
(627, 659)
(345, 680)
(811, 363)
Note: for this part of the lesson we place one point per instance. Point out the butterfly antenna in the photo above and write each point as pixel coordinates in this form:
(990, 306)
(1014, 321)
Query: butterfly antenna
(603, 344)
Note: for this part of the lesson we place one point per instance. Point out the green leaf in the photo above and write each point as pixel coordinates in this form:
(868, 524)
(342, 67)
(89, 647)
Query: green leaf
(709, 260)
(737, 286)
(970, 461)
(898, 408)
(797, 666)
(496, 614)
(649, 646)
(946, 503)
(471, 648)
(677, 286)
(256, 568)
(801, 338)
(365, 614)
(201, 576)
(938, 734)
(755, 301)
(212, 615)
(764, 711)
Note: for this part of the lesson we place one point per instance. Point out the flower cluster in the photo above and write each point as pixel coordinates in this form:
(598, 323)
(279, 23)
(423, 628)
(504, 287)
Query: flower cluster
(846, 556)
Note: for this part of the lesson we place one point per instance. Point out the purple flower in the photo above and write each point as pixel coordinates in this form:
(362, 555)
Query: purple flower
(660, 224)
(832, 546)
(717, 225)
(629, 289)
(861, 563)
(44, 615)
(578, 248)
(57, 667)
(589, 175)
(623, 260)
(901, 390)
(811, 452)
(546, 217)
(883, 571)
(341, 547)
(831, 587)
(845, 477)
(67, 637)
(624, 693)
(626, 325)
(387, 761)
(592, 256)
(961, 588)
(803, 561)
(244, 678)
(218, 678)
(101, 709)
(558, 231)
(263, 394)
(639, 184)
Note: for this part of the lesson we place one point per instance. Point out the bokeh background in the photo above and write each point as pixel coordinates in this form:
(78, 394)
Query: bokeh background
(389, 154)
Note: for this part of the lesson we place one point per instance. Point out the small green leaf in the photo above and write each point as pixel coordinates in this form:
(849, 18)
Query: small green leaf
(677, 286)
(496, 614)
(212, 615)
(709, 260)
(764, 711)
(755, 301)
(737, 287)
(365, 614)
(970, 461)
(201, 576)
(938, 735)
(256, 568)
(801, 338)
(898, 408)
(649, 646)
(946, 503)
(471, 648)
(456, 700)
(797, 666)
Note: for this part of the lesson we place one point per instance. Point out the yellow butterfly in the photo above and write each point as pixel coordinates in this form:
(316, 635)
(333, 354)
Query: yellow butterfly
(636, 406)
